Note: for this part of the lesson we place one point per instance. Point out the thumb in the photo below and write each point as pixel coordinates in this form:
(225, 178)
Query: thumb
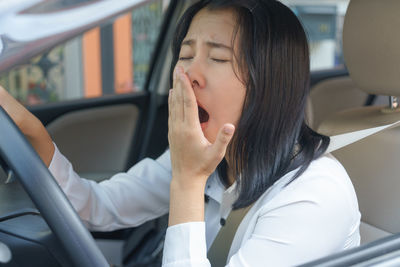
(223, 138)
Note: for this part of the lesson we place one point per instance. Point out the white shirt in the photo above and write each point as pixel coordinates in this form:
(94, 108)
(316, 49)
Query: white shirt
(314, 216)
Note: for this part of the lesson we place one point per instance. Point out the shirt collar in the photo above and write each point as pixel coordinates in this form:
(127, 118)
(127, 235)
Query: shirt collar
(216, 190)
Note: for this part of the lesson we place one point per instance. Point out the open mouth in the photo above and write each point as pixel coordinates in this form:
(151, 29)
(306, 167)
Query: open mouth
(203, 115)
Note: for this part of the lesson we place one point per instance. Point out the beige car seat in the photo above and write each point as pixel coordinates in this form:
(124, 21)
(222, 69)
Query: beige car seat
(371, 44)
(330, 96)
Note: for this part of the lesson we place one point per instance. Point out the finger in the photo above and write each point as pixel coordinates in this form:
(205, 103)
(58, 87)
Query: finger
(223, 138)
(175, 77)
(1, 95)
(177, 96)
(169, 112)
(190, 109)
(169, 102)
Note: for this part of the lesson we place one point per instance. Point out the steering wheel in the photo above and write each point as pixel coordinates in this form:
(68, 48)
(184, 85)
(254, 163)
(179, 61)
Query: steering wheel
(48, 197)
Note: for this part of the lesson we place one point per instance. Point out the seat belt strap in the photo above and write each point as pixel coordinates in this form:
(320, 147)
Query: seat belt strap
(342, 140)
(219, 250)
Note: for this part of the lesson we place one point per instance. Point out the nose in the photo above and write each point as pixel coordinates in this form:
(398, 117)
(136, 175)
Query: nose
(196, 73)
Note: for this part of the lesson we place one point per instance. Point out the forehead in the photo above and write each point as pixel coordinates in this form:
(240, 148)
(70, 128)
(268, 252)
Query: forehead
(212, 25)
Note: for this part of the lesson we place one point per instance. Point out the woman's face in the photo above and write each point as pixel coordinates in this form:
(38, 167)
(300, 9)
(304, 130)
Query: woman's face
(207, 57)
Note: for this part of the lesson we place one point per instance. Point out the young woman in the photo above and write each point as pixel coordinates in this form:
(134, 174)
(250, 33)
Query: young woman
(238, 136)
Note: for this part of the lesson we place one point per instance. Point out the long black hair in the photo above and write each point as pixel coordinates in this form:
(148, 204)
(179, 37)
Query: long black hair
(271, 137)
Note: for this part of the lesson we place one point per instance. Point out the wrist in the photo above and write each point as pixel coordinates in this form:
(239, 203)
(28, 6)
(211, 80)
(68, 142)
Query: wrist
(188, 183)
(186, 202)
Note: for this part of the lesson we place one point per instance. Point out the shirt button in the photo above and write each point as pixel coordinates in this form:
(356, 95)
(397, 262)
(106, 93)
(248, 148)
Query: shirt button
(222, 222)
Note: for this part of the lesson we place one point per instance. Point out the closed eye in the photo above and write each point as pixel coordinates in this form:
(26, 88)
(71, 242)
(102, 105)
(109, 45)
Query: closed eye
(214, 59)
(220, 60)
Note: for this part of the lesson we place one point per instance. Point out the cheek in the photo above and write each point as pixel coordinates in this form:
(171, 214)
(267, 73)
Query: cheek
(224, 112)
(230, 103)
(225, 107)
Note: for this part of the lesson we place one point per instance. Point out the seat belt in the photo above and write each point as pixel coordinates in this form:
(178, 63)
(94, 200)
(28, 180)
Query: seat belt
(342, 140)
(219, 250)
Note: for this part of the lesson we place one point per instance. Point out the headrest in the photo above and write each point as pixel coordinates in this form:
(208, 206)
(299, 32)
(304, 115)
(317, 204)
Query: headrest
(371, 45)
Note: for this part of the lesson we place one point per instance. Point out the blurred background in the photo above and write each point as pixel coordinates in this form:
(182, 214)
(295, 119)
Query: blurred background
(115, 58)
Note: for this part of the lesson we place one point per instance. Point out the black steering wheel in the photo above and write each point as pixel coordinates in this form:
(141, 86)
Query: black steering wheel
(48, 197)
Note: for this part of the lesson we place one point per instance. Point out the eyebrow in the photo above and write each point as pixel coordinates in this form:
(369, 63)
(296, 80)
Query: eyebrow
(190, 42)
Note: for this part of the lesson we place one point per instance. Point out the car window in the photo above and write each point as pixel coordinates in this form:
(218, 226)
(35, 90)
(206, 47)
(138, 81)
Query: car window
(112, 59)
(323, 23)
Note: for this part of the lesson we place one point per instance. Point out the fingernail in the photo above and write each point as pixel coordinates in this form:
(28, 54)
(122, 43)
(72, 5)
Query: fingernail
(228, 129)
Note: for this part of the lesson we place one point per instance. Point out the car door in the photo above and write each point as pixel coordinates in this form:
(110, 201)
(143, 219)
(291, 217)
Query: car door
(101, 94)
(99, 97)
(99, 88)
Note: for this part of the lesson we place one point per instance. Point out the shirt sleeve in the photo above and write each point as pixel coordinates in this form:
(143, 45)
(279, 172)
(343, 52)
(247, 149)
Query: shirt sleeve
(125, 200)
(301, 224)
(185, 245)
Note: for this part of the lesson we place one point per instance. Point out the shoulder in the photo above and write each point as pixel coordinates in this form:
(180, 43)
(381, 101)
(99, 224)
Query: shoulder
(314, 215)
(323, 189)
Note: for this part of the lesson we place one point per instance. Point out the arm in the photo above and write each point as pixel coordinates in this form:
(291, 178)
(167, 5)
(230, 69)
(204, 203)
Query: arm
(125, 200)
(128, 199)
(29, 125)
(193, 159)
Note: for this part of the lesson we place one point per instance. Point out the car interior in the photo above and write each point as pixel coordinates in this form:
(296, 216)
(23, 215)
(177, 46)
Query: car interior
(371, 163)
(106, 135)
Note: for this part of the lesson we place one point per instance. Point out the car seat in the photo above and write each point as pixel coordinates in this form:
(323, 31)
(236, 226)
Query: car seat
(330, 96)
(371, 44)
